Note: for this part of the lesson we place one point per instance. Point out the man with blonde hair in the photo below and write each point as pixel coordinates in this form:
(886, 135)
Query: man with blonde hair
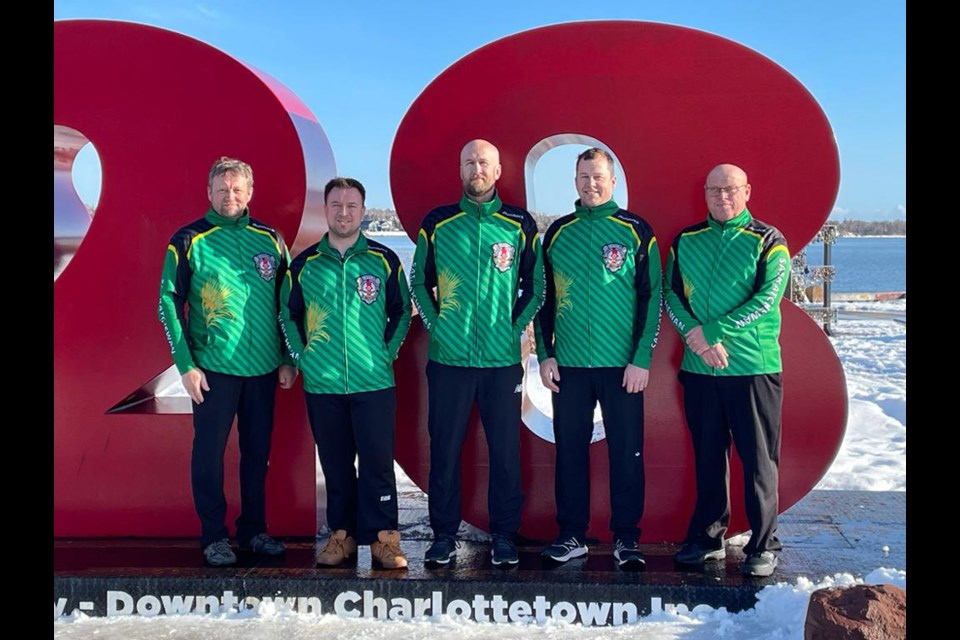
(226, 268)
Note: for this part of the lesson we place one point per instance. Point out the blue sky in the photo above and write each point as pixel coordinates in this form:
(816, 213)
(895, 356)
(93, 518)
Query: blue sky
(359, 65)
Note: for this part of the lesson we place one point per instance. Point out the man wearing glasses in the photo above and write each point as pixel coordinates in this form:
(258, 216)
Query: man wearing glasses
(724, 281)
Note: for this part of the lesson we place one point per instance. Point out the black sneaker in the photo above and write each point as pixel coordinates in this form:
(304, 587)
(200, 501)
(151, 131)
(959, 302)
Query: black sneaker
(263, 545)
(564, 549)
(219, 553)
(760, 564)
(503, 551)
(628, 555)
(694, 554)
(443, 549)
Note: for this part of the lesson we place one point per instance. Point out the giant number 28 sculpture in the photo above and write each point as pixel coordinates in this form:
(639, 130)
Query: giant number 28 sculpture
(669, 101)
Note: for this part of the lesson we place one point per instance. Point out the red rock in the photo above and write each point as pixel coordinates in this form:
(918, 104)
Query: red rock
(863, 612)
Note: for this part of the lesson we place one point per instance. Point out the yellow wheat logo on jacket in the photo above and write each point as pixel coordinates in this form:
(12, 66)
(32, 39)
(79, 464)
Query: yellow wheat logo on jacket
(562, 284)
(316, 325)
(688, 289)
(447, 284)
(213, 297)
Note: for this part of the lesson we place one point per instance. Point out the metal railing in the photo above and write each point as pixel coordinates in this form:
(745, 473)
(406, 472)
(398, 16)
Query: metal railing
(805, 278)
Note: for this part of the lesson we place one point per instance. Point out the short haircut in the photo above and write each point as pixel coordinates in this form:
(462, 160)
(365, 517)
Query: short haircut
(230, 165)
(592, 154)
(345, 183)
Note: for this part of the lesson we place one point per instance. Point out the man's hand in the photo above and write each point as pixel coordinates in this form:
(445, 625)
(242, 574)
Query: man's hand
(193, 381)
(696, 340)
(287, 375)
(550, 374)
(715, 356)
(635, 378)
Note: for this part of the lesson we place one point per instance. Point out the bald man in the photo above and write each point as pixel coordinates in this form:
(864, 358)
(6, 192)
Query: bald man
(724, 281)
(477, 281)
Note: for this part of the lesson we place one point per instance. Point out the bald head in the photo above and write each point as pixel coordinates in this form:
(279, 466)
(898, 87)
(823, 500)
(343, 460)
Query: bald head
(479, 169)
(727, 191)
(728, 172)
(479, 146)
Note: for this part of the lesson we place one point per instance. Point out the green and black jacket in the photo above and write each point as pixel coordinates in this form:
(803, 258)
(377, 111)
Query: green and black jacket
(227, 271)
(344, 318)
(485, 262)
(602, 303)
(729, 277)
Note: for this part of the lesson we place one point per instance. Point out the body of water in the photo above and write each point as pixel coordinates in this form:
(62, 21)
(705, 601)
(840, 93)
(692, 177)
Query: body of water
(866, 264)
(863, 264)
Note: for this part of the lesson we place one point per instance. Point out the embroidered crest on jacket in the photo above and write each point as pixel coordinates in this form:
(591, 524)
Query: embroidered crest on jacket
(266, 265)
(368, 288)
(503, 253)
(614, 256)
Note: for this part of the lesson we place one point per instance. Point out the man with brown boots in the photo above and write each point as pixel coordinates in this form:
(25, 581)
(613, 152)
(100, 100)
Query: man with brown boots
(345, 311)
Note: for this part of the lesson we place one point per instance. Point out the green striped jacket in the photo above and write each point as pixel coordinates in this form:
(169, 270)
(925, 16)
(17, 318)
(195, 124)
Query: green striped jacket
(485, 263)
(729, 278)
(344, 318)
(227, 271)
(602, 303)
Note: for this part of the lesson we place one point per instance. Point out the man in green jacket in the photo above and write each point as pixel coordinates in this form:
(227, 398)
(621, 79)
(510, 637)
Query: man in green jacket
(227, 268)
(345, 311)
(482, 258)
(595, 338)
(725, 278)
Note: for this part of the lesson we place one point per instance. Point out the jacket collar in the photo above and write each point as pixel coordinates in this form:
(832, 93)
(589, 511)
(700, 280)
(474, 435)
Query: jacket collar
(481, 209)
(608, 208)
(229, 223)
(359, 246)
(736, 222)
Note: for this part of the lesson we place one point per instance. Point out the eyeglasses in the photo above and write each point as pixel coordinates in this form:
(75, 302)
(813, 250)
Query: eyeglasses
(727, 191)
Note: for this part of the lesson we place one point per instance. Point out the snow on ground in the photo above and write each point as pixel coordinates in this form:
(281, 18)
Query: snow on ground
(778, 615)
(872, 457)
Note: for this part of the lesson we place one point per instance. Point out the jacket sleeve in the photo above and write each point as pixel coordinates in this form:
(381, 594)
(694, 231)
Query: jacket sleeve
(773, 270)
(174, 286)
(530, 278)
(675, 299)
(423, 279)
(648, 283)
(398, 308)
(282, 270)
(292, 310)
(545, 320)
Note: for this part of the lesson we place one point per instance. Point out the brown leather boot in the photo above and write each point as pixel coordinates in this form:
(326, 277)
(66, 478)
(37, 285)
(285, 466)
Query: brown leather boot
(386, 551)
(339, 547)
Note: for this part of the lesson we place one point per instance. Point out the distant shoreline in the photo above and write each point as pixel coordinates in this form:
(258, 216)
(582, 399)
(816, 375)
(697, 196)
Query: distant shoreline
(384, 233)
(873, 236)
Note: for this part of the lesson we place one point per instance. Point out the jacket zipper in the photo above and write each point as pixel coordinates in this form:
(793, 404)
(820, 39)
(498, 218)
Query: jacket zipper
(476, 322)
(343, 320)
(713, 275)
(590, 298)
